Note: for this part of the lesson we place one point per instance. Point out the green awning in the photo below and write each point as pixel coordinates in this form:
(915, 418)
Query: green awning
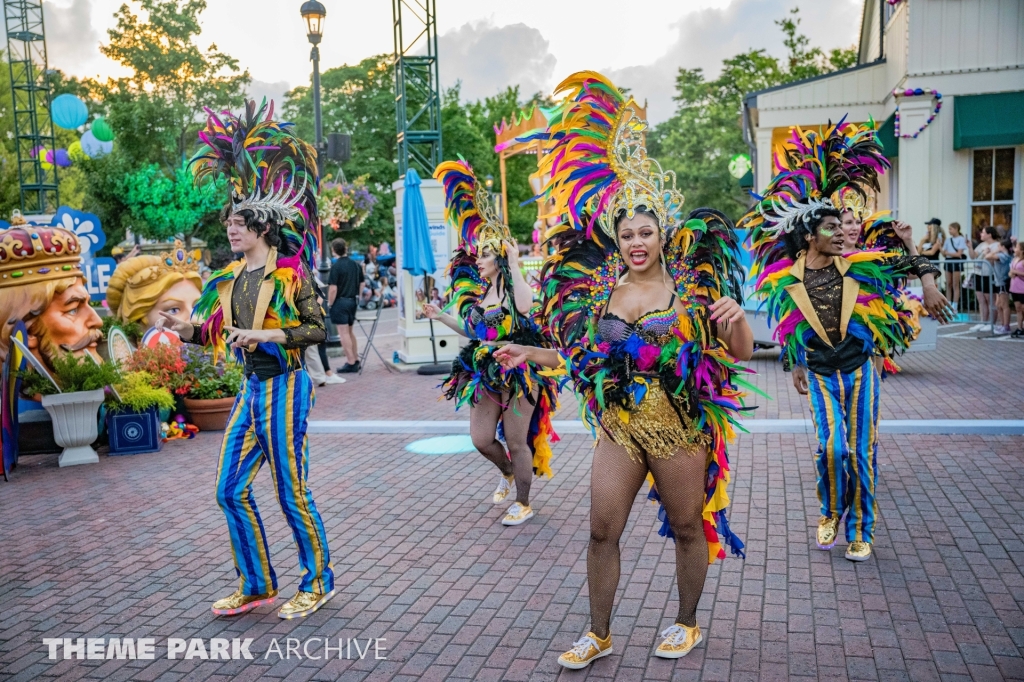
(887, 137)
(747, 181)
(988, 120)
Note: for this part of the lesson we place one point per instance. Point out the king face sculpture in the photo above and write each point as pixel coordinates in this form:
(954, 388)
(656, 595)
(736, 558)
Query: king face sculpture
(41, 282)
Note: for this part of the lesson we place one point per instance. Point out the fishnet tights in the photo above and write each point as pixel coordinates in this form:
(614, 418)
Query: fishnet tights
(614, 482)
(483, 424)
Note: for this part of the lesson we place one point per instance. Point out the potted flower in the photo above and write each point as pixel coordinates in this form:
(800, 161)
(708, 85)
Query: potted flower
(169, 366)
(133, 420)
(212, 394)
(74, 408)
(344, 205)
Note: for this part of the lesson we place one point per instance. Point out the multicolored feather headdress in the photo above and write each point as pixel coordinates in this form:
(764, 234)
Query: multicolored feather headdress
(470, 208)
(821, 171)
(599, 166)
(270, 170)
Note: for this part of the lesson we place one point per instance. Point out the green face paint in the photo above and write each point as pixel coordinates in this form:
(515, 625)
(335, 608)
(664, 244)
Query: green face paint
(826, 231)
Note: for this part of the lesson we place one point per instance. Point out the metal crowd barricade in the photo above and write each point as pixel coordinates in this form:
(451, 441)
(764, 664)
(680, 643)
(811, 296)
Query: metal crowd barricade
(968, 304)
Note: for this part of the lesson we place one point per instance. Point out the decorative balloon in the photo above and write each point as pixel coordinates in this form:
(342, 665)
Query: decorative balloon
(94, 148)
(69, 112)
(102, 130)
(75, 151)
(62, 158)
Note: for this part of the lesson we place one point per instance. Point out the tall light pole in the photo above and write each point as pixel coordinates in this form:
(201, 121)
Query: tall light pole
(314, 12)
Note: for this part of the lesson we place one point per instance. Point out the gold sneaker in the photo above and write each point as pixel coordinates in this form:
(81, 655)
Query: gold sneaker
(828, 531)
(503, 489)
(303, 604)
(584, 651)
(679, 640)
(239, 603)
(517, 514)
(858, 551)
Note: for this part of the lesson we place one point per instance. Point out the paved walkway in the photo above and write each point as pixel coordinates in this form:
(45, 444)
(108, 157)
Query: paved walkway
(136, 547)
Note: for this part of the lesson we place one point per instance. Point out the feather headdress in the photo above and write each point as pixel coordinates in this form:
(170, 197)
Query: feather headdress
(599, 166)
(833, 170)
(469, 208)
(271, 172)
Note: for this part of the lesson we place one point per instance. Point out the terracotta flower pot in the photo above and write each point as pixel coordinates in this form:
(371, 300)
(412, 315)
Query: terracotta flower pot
(209, 415)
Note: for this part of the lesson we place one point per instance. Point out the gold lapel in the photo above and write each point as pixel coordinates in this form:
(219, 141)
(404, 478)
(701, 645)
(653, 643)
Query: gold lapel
(850, 291)
(225, 291)
(266, 293)
(798, 292)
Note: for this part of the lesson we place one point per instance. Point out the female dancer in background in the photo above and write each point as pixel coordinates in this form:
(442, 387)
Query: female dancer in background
(493, 306)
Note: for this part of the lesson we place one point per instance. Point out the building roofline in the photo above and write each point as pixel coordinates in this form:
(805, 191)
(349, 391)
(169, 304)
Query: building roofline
(753, 95)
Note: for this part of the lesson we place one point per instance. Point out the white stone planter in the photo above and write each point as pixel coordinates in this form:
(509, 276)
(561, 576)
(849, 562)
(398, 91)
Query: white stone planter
(74, 418)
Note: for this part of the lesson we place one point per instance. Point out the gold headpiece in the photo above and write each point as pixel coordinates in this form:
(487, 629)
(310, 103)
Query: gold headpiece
(599, 165)
(31, 253)
(849, 199)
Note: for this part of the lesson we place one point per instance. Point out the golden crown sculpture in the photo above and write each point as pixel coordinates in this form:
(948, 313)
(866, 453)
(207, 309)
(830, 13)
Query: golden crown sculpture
(30, 253)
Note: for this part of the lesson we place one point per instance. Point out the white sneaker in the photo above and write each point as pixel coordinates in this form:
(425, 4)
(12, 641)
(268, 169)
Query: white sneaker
(1002, 330)
(517, 514)
(503, 489)
(334, 379)
(977, 327)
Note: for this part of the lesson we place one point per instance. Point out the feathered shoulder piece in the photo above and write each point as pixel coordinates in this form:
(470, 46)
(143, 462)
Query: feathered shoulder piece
(599, 166)
(270, 170)
(703, 256)
(469, 209)
(817, 171)
(576, 281)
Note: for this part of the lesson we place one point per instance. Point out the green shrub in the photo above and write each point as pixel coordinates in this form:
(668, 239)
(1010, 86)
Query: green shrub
(72, 374)
(133, 330)
(138, 393)
(213, 381)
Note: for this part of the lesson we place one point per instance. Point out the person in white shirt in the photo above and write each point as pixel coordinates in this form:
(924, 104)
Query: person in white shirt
(954, 249)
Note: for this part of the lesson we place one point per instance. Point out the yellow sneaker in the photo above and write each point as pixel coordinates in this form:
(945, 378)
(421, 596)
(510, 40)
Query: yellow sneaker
(858, 551)
(828, 531)
(503, 489)
(517, 514)
(239, 603)
(679, 640)
(303, 604)
(584, 651)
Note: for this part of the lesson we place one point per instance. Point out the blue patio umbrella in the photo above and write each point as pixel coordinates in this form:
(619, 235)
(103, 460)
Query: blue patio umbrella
(417, 254)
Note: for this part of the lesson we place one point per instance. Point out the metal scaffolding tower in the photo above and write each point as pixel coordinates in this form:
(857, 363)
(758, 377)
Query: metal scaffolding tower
(30, 91)
(417, 90)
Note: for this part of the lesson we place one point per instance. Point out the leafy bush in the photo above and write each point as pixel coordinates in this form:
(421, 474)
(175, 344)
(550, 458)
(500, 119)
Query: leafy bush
(138, 393)
(72, 374)
(166, 366)
(217, 381)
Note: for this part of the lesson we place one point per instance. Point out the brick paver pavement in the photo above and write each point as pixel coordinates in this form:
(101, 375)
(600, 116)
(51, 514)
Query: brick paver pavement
(963, 379)
(136, 546)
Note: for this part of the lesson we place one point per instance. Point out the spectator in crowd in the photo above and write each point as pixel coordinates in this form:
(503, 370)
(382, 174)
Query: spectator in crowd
(385, 249)
(1001, 268)
(342, 292)
(388, 299)
(954, 249)
(370, 293)
(984, 281)
(1017, 287)
(931, 244)
(370, 263)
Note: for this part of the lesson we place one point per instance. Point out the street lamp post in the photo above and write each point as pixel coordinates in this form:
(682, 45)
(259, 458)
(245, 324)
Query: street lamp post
(314, 12)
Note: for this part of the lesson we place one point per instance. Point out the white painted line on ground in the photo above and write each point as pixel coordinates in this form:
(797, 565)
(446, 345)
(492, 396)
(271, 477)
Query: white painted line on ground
(991, 427)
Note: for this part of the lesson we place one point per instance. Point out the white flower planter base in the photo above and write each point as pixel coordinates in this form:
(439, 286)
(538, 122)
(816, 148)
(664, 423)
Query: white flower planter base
(74, 424)
(83, 454)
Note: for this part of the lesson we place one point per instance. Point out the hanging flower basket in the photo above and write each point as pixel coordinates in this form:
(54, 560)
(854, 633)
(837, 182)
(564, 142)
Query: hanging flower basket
(344, 206)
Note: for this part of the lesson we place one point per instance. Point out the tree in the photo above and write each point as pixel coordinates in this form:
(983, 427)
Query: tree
(705, 132)
(163, 207)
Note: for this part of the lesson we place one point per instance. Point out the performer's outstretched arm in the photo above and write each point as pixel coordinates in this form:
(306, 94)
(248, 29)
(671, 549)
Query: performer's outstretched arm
(514, 355)
(523, 292)
(453, 323)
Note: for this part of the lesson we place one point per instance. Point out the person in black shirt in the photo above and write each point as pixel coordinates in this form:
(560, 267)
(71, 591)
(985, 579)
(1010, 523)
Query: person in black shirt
(342, 290)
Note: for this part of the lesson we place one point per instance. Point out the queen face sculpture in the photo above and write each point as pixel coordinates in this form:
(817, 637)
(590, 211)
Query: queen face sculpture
(41, 283)
(144, 286)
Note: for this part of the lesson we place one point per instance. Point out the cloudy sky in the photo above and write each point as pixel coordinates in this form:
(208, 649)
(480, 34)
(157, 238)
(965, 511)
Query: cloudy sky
(485, 44)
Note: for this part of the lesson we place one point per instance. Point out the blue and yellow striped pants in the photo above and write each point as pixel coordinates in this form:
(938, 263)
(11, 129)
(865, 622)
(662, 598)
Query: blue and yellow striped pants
(845, 411)
(268, 424)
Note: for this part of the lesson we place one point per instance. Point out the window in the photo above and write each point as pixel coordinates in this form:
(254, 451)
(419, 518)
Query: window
(993, 190)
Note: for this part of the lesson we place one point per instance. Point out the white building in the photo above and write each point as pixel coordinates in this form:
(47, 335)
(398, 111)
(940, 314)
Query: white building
(967, 165)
